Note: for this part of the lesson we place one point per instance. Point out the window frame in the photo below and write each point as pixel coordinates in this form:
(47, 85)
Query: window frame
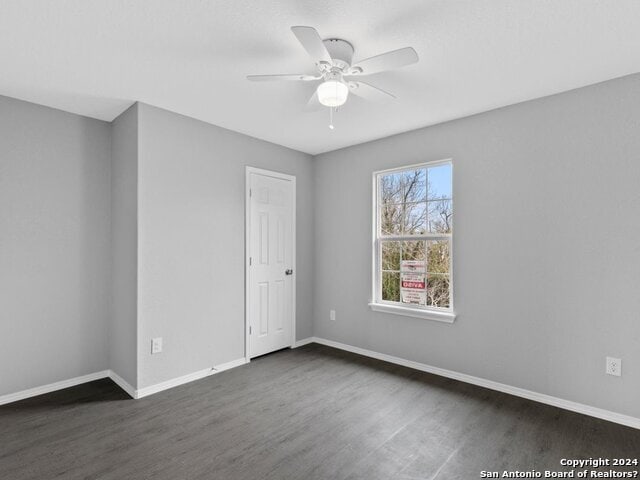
(441, 314)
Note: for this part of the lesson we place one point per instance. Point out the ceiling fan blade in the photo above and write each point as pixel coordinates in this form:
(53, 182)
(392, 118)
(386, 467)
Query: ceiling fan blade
(312, 43)
(369, 92)
(385, 61)
(313, 104)
(288, 76)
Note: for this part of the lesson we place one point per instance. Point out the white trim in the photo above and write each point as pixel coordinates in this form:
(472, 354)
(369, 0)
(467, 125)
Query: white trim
(294, 280)
(304, 341)
(174, 382)
(247, 249)
(229, 365)
(190, 377)
(52, 387)
(431, 163)
(463, 377)
(608, 415)
(123, 384)
(270, 173)
(376, 286)
(422, 236)
(439, 316)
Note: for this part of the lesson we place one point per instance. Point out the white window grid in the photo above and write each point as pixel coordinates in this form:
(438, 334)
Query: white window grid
(379, 237)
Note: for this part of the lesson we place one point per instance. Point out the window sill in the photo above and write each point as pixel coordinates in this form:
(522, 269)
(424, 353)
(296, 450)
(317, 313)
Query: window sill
(447, 317)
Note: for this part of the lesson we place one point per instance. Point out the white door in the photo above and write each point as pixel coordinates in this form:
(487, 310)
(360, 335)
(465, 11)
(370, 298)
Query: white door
(271, 252)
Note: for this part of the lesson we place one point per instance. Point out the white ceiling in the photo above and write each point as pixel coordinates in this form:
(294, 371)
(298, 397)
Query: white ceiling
(94, 57)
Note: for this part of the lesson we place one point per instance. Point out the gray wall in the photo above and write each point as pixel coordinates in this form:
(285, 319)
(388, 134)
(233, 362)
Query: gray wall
(191, 241)
(124, 234)
(546, 242)
(54, 245)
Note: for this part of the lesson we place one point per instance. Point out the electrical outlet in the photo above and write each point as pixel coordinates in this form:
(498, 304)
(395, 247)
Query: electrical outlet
(332, 315)
(614, 366)
(156, 345)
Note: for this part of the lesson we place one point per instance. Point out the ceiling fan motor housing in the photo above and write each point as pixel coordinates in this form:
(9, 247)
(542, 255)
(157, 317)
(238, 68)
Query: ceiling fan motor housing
(340, 50)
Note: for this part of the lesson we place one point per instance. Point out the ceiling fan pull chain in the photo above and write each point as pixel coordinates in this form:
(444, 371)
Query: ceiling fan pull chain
(331, 109)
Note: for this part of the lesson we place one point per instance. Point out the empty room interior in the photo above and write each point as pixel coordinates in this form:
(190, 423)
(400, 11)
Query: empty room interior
(284, 239)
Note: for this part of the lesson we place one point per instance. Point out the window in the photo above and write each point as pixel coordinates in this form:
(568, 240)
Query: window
(413, 241)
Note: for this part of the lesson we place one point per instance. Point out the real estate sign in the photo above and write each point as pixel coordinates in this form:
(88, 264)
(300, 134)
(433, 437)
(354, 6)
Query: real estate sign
(413, 282)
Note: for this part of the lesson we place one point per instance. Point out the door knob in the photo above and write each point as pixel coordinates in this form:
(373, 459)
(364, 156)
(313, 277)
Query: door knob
(288, 272)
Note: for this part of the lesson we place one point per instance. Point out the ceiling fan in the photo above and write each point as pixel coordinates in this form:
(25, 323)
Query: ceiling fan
(333, 60)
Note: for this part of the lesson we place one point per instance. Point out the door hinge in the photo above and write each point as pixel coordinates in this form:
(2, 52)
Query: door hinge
(250, 192)
(249, 329)
(250, 260)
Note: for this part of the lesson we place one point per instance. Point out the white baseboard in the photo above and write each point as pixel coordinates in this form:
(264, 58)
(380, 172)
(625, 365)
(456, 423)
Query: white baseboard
(123, 384)
(52, 387)
(304, 341)
(190, 377)
(500, 387)
(231, 364)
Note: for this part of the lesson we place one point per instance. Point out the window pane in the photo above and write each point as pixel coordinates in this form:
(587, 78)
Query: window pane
(438, 259)
(391, 286)
(391, 220)
(415, 218)
(391, 256)
(391, 187)
(414, 250)
(414, 185)
(438, 290)
(413, 202)
(439, 216)
(439, 181)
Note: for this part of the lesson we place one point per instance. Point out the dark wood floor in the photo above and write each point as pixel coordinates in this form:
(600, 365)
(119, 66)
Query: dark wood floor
(309, 413)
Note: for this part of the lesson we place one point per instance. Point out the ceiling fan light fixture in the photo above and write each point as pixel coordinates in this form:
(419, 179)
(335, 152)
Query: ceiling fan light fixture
(332, 93)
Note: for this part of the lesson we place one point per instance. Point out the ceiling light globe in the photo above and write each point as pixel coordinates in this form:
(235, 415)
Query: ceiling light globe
(332, 93)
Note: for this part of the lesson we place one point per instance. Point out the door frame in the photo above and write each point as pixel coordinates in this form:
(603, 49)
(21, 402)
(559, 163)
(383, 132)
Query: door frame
(247, 250)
